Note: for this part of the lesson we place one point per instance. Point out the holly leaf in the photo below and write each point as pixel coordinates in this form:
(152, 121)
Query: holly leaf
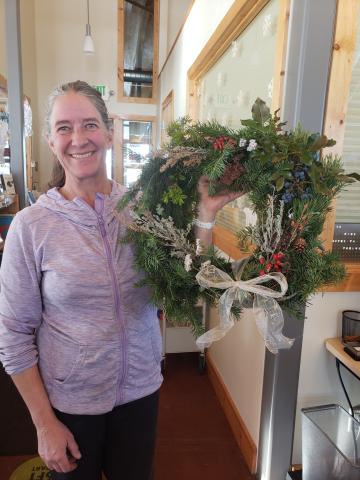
(279, 184)
(277, 158)
(321, 142)
(307, 159)
(249, 123)
(354, 176)
(260, 111)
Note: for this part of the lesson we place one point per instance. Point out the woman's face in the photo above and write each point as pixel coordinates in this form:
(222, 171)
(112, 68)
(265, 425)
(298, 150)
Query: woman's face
(78, 137)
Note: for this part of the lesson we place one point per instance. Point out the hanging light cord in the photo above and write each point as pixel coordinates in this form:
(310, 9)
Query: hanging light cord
(88, 17)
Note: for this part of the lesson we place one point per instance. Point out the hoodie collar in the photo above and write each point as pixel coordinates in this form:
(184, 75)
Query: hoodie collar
(78, 210)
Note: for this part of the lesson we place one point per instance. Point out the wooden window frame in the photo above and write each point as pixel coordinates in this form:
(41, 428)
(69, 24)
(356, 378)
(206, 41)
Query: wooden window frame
(121, 30)
(239, 16)
(336, 108)
(118, 120)
(3, 82)
(169, 100)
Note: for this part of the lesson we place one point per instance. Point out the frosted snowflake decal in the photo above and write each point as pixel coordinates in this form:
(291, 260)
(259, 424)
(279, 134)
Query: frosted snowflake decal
(269, 25)
(236, 49)
(242, 98)
(221, 79)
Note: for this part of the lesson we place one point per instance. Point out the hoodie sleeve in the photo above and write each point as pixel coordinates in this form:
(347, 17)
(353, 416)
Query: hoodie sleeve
(20, 299)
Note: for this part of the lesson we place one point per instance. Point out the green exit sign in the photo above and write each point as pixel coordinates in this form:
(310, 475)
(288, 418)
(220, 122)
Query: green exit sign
(100, 89)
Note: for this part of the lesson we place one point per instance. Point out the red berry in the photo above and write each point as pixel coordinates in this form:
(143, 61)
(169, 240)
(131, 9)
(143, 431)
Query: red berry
(262, 260)
(262, 272)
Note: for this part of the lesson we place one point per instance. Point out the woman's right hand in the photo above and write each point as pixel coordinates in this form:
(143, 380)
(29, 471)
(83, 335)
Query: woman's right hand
(57, 446)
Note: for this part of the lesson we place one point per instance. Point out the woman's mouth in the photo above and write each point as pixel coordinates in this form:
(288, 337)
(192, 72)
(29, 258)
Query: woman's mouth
(81, 155)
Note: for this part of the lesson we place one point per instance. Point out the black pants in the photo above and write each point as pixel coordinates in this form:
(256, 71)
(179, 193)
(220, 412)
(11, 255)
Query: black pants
(120, 443)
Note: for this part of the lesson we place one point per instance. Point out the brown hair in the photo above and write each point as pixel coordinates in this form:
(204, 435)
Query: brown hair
(82, 88)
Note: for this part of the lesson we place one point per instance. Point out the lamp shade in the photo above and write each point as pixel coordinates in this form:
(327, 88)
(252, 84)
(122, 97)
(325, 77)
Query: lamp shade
(88, 48)
(88, 45)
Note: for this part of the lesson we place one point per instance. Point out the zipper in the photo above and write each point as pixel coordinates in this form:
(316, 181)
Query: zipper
(116, 295)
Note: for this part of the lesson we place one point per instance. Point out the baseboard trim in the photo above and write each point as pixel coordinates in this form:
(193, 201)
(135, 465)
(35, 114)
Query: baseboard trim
(237, 425)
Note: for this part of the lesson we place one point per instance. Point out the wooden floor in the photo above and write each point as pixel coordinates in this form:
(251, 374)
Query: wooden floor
(194, 439)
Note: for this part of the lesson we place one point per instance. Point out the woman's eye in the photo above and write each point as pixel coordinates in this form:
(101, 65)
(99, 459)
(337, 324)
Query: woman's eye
(91, 126)
(63, 129)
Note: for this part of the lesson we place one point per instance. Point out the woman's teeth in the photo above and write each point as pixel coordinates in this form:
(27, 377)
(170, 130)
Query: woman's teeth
(81, 155)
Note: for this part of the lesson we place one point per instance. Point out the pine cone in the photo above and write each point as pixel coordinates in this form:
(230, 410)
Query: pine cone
(233, 171)
(300, 245)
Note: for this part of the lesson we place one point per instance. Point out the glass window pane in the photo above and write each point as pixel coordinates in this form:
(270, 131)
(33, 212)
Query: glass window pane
(348, 202)
(228, 90)
(137, 144)
(138, 48)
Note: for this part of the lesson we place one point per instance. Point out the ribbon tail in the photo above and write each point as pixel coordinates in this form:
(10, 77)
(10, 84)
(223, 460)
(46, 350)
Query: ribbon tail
(270, 322)
(226, 320)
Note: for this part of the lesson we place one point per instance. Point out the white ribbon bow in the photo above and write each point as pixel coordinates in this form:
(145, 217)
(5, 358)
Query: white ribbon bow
(268, 314)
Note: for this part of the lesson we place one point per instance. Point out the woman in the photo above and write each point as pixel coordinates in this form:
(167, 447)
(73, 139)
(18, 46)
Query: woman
(81, 342)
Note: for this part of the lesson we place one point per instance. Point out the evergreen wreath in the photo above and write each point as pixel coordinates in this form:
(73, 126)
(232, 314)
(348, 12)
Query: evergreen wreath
(290, 186)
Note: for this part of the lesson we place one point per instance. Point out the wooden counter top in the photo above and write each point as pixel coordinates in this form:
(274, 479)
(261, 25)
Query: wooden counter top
(336, 348)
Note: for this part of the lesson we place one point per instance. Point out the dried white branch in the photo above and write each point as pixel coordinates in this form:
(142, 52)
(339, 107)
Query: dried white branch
(165, 230)
(268, 230)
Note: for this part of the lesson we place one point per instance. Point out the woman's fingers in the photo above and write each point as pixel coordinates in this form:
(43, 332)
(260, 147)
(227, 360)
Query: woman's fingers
(57, 447)
(73, 449)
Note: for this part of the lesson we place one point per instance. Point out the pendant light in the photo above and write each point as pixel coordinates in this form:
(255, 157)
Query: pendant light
(88, 41)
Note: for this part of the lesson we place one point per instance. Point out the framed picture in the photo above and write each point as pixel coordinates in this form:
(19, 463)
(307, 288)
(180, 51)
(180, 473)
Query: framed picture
(7, 183)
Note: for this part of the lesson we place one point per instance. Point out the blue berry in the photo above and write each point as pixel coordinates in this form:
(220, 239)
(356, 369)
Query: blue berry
(287, 197)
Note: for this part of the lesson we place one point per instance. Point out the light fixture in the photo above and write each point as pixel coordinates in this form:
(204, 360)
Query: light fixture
(88, 48)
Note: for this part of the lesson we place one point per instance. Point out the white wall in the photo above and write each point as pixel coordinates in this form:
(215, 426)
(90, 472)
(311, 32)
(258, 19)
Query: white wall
(60, 30)
(239, 357)
(27, 46)
(172, 18)
(204, 17)
(176, 17)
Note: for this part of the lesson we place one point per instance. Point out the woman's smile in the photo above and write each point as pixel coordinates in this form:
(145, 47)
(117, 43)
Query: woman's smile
(81, 155)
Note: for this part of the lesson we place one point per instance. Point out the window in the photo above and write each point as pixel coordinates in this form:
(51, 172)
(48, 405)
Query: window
(134, 141)
(137, 50)
(243, 60)
(342, 120)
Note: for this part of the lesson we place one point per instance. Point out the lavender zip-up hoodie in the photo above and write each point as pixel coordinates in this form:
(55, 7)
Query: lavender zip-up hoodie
(68, 302)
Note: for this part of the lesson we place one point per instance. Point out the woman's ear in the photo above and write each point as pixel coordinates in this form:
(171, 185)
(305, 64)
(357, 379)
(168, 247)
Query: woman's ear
(110, 137)
(50, 142)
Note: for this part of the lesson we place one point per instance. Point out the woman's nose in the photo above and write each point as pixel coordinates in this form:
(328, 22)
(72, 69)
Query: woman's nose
(79, 137)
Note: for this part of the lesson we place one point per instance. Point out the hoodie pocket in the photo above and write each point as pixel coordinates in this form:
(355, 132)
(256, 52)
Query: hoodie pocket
(59, 357)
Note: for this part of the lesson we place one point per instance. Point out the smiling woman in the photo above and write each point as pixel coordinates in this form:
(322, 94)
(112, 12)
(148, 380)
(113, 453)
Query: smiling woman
(92, 371)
